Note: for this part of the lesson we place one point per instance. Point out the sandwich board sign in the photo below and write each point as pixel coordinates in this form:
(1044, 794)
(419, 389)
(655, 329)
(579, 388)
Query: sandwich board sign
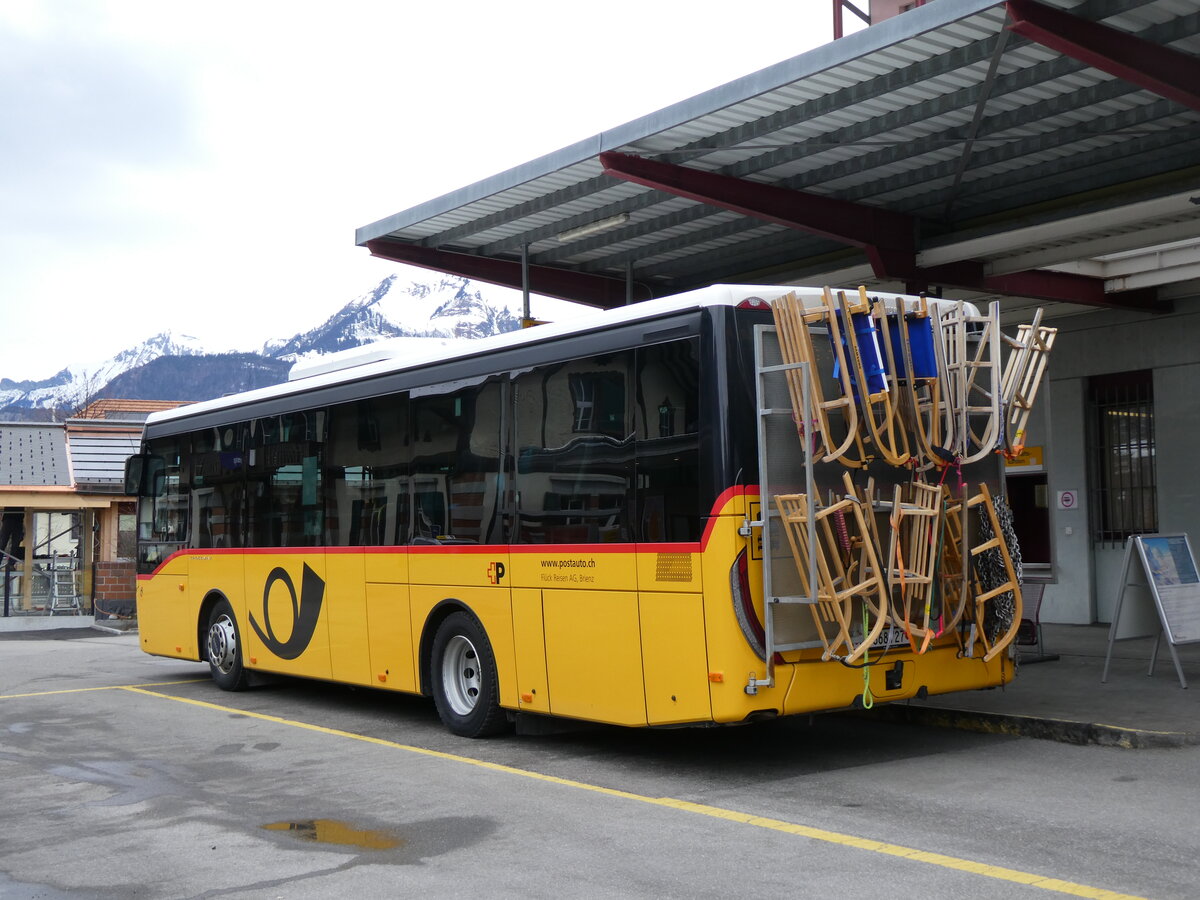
(1159, 595)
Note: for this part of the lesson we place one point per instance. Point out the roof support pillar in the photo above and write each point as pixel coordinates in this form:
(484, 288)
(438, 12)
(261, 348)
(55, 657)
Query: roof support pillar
(1163, 70)
(525, 316)
(887, 237)
(580, 287)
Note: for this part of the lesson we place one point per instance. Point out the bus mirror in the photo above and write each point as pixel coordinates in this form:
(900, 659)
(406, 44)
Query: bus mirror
(135, 468)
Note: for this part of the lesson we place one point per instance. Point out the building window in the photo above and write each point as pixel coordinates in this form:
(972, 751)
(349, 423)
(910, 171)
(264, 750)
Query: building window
(126, 530)
(1124, 497)
(599, 398)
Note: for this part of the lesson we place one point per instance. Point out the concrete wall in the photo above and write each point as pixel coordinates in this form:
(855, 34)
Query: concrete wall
(1085, 579)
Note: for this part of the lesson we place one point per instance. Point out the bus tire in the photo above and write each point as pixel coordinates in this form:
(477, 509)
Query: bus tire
(225, 649)
(463, 669)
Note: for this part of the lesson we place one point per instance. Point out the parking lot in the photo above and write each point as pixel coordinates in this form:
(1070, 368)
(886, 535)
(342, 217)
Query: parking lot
(130, 776)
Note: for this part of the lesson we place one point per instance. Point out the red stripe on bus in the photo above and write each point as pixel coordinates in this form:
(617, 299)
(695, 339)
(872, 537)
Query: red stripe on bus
(719, 504)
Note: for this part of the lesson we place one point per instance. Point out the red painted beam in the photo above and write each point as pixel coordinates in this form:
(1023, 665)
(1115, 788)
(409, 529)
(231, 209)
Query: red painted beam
(1037, 284)
(1164, 70)
(591, 290)
(887, 237)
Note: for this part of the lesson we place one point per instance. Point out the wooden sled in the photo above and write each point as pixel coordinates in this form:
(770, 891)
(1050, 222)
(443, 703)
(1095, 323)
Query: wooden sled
(912, 559)
(974, 381)
(792, 320)
(994, 646)
(848, 574)
(1023, 372)
(878, 412)
(921, 382)
(953, 575)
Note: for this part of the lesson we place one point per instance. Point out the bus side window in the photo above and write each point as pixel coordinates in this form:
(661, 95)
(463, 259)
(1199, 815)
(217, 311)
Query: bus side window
(367, 473)
(218, 486)
(574, 448)
(284, 478)
(668, 442)
(456, 465)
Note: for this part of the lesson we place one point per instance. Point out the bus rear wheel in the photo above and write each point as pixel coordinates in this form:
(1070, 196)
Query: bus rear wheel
(225, 649)
(465, 687)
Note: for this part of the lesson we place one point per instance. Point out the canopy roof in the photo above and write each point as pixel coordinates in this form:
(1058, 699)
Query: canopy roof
(1041, 150)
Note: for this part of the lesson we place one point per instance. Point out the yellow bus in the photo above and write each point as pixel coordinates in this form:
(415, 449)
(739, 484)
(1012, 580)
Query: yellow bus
(563, 521)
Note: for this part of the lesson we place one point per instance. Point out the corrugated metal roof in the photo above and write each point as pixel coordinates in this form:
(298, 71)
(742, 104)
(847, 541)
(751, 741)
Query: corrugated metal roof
(940, 114)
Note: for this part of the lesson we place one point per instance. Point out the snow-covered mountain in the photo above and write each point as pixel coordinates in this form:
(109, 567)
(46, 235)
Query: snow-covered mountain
(450, 307)
(435, 312)
(74, 385)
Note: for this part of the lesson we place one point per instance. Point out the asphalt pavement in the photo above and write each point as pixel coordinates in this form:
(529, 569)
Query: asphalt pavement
(1060, 692)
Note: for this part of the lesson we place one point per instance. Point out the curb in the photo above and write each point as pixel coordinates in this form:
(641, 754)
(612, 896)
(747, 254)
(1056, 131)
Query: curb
(1062, 730)
(108, 629)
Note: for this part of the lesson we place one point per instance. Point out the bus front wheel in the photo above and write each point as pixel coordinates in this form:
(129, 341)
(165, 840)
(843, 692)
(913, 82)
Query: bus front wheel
(465, 688)
(225, 649)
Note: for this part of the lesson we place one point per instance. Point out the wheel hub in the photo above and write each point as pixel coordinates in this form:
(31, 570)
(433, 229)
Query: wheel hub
(460, 675)
(222, 644)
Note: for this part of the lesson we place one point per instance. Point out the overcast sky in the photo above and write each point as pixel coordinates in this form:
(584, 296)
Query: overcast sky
(202, 167)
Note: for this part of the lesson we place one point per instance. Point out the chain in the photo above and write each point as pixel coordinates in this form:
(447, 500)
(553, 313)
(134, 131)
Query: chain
(989, 565)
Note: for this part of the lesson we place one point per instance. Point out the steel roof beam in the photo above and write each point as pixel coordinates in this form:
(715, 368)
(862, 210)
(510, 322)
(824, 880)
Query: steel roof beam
(1060, 234)
(880, 233)
(1013, 150)
(880, 85)
(874, 160)
(1137, 148)
(877, 86)
(839, 137)
(1074, 175)
(985, 93)
(960, 99)
(1004, 183)
(1163, 70)
(1037, 284)
(591, 290)
(887, 237)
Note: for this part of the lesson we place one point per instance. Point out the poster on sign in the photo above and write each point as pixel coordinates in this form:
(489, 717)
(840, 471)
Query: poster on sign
(1159, 595)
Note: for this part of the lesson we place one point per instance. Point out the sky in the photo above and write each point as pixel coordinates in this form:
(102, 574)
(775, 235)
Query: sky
(202, 168)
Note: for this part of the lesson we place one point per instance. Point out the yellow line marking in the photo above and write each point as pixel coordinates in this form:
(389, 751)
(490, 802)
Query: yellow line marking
(108, 687)
(999, 873)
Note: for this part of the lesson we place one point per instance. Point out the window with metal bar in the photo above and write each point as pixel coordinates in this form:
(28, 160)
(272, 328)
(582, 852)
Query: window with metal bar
(1121, 475)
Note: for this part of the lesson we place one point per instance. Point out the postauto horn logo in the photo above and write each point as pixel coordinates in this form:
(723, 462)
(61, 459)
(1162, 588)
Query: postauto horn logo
(305, 612)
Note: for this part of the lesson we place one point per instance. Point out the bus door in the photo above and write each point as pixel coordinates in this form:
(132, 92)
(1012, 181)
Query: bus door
(459, 551)
(576, 615)
(367, 524)
(287, 595)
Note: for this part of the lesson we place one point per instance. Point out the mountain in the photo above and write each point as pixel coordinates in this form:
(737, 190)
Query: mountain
(447, 308)
(441, 310)
(196, 377)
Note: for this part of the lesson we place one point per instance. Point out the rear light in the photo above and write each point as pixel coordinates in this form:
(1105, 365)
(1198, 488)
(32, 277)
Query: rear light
(743, 605)
(754, 303)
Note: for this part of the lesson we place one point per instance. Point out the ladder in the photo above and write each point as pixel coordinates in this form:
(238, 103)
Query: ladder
(64, 594)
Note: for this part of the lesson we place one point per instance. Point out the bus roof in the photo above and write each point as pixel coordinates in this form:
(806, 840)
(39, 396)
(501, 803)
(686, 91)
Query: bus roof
(395, 355)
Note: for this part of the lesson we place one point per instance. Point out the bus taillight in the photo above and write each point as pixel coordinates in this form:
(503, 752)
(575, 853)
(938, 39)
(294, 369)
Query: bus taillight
(743, 605)
(754, 303)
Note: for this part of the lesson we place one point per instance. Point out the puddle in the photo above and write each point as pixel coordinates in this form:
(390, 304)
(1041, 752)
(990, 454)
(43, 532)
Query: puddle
(331, 831)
